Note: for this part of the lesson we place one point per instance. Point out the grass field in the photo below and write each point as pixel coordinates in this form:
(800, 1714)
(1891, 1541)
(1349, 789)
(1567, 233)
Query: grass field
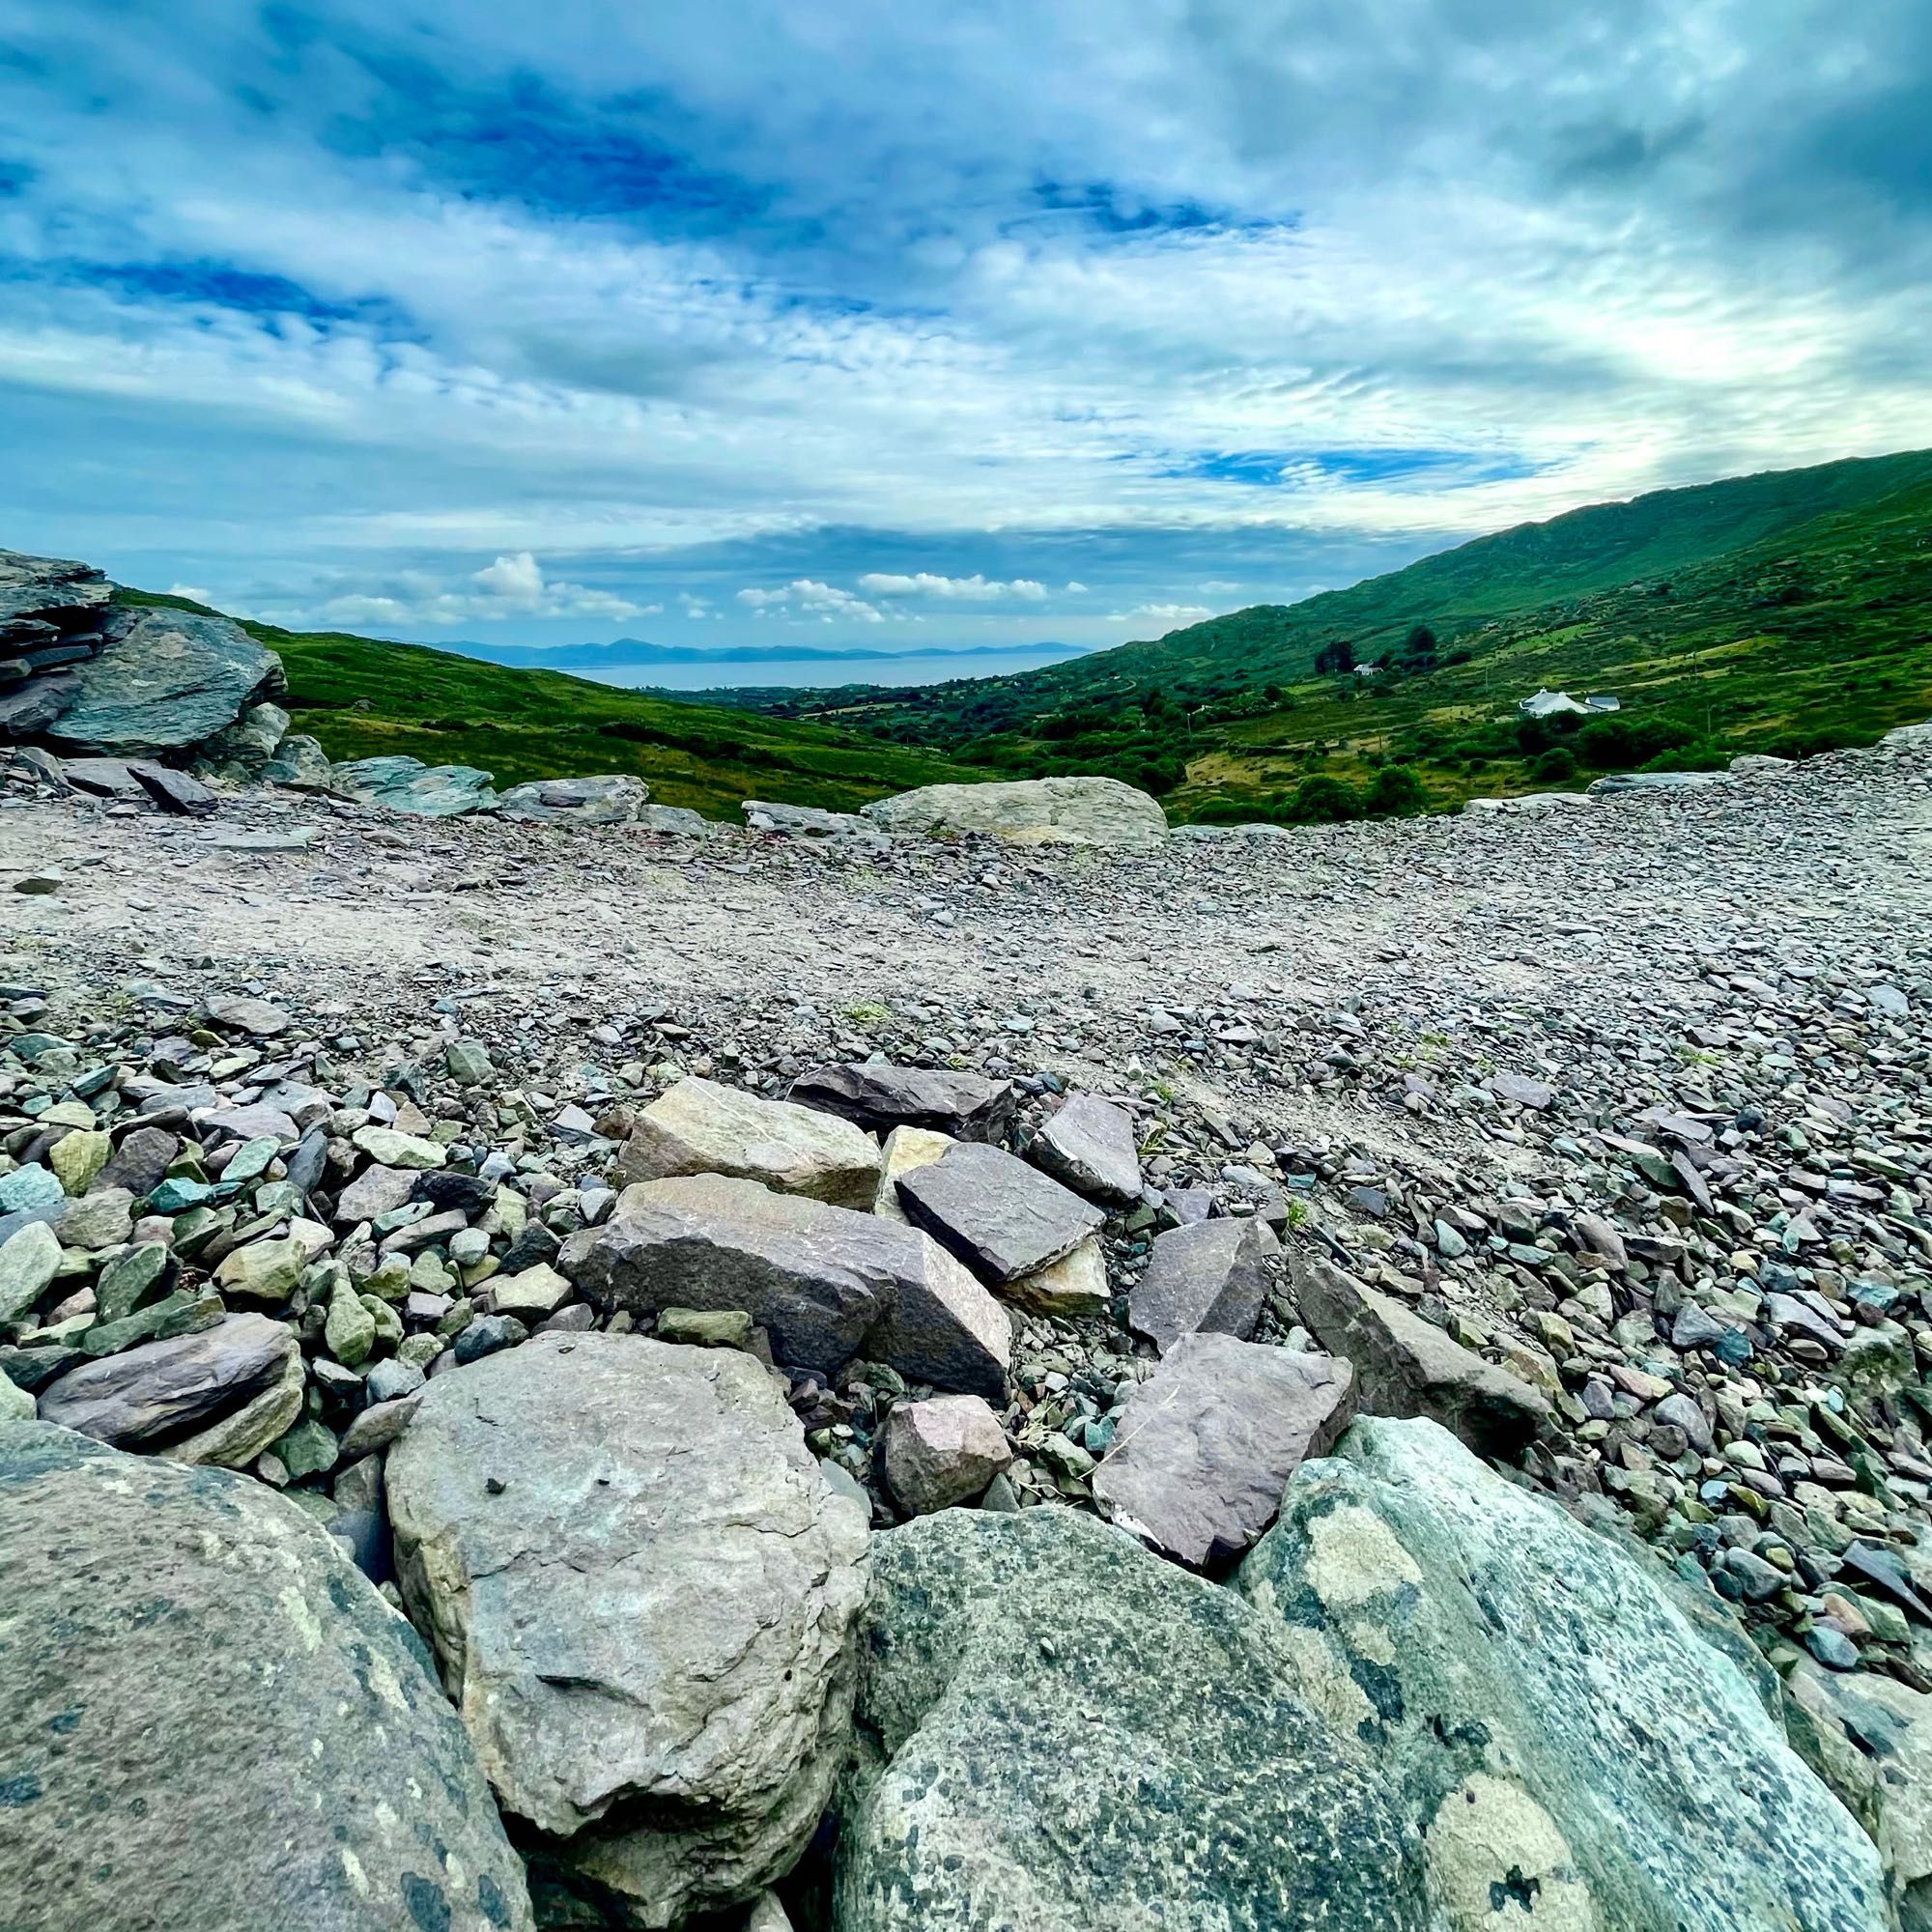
(364, 698)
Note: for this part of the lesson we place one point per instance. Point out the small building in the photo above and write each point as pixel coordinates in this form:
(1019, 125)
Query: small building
(1549, 703)
(1368, 671)
(1604, 702)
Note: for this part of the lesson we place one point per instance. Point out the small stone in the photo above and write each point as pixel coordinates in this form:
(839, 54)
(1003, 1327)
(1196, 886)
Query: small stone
(28, 1261)
(941, 1451)
(486, 1334)
(705, 1327)
(350, 1329)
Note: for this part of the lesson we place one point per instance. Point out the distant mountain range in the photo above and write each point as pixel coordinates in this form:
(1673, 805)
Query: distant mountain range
(624, 653)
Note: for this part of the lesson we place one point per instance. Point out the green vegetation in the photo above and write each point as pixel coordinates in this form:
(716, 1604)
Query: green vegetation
(1789, 612)
(364, 698)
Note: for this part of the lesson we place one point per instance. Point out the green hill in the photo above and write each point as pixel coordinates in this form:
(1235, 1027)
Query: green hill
(364, 698)
(1788, 610)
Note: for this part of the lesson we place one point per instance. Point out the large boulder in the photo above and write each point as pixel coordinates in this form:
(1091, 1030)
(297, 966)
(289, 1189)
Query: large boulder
(1060, 1733)
(162, 681)
(613, 800)
(1569, 1745)
(1089, 1143)
(1206, 1276)
(211, 1721)
(406, 785)
(1029, 812)
(824, 1282)
(1207, 1443)
(1001, 1217)
(50, 589)
(1407, 1366)
(701, 1127)
(641, 1591)
(883, 1097)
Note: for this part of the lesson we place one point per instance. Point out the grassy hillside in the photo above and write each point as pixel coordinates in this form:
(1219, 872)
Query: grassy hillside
(1786, 611)
(364, 698)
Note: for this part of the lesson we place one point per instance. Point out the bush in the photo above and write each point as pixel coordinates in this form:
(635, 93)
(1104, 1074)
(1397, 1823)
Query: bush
(1323, 800)
(1556, 766)
(1620, 744)
(1708, 757)
(1397, 793)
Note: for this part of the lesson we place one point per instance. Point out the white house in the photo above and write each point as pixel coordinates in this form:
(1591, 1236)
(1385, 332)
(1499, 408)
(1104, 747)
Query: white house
(1603, 702)
(1548, 703)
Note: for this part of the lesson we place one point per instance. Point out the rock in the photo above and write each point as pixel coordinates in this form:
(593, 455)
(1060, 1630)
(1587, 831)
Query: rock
(140, 1162)
(260, 1019)
(1679, 1412)
(1405, 1367)
(101, 1218)
(1001, 1217)
(1520, 1091)
(1074, 1287)
(162, 681)
(705, 1327)
(486, 1335)
(905, 1148)
(941, 1451)
(103, 777)
(17, 1405)
(301, 764)
(673, 820)
(376, 1190)
(881, 1096)
(31, 707)
(824, 1282)
(804, 821)
(1211, 1276)
(1694, 1330)
(378, 1426)
(390, 1148)
(350, 1327)
(1622, 781)
(159, 1393)
(530, 1296)
(1064, 1733)
(1029, 812)
(406, 785)
(264, 1271)
(28, 1257)
(1207, 1443)
(595, 801)
(171, 790)
(243, 749)
(78, 1157)
(213, 1722)
(42, 884)
(50, 587)
(1560, 1733)
(30, 1186)
(641, 1592)
(1089, 1143)
(701, 1127)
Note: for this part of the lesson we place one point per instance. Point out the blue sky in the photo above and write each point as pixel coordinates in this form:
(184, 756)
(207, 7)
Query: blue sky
(846, 321)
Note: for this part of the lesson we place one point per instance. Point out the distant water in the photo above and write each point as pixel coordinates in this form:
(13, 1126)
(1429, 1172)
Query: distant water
(823, 674)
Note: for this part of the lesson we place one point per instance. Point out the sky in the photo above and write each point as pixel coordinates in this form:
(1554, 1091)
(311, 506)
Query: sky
(844, 321)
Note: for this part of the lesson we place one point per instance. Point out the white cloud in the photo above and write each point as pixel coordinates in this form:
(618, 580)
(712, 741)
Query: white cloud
(192, 591)
(977, 589)
(1173, 615)
(517, 579)
(807, 596)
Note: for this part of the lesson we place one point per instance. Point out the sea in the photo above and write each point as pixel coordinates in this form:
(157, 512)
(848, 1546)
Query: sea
(822, 673)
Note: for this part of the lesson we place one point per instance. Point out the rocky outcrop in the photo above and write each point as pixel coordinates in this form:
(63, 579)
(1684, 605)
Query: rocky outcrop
(211, 1721)
(416, 790)
(1407, 1366)
(640, 1592)
(701, 1127)
(1028, 811)
(1563, 1738)
(1207, 1443)
(614, 800)
(1059, 1731)
(877, 1095)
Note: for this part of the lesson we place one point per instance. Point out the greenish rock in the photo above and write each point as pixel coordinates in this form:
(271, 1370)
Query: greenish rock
(250, 1160)
(282, 1200)
(350, 1329)
(185, 1312)
(237, 1438)
(390, 1280)
(301, 764)
(16, 1403)
(130, 1280)
(103, 1219)
(244, 748)
(406, 784)
(1057, 1731)
(308, 1449)
(1560, 1732)
(268, 1272)
(30, 1186)
(388, 1323)
(28, 1261)
(390, 1148)
(420, 1350)
(212, 1720)
(428, 1275)
(705, 1327)
(78, 1157)
(183, 1191)
(468, 1062)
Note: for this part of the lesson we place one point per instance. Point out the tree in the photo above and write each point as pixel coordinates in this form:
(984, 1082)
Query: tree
(1322, 799)
(1396, 793)
(1556, 766)
(1421, 642)
(1338, 657)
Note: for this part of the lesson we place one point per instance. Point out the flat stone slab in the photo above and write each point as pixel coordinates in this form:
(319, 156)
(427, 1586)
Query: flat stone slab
(1207, 1442)
(1088, 1143)
(1002, 1218)
(642, 1592)
(875, 1095)
(1558, 1726)
(1209, 1276)
(605, 799)
(699, 1126)
(1029, 812)
(213, 1722)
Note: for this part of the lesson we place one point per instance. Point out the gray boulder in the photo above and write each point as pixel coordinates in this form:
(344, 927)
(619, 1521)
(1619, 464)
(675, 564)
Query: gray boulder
(1000, 1216)
(243, 749)
(406, 785)
(640, 1592)
(824, 1282)
(674, 821)
(1627, 782)
(213, 1722)
(613, 800)
(162, 681)
(1029, 812)
(1089, 1143)
(806, 821)
(1208, 1276)
(1407, 1366)
(50, 588)
(1567, 1742)
(301, 764)
(881, 1096)
(941, 1451)
(163, 1394)
(1207, 1443)
(1060, 1732)
(702, 1127)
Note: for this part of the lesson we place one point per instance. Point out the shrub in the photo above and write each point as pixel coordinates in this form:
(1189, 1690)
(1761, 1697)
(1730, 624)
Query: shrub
(1322, 800)
(1556, 766)
(1397, 793)
(1618, 744)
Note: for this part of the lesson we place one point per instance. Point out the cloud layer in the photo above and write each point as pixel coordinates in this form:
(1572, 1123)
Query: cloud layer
(1009, 320)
